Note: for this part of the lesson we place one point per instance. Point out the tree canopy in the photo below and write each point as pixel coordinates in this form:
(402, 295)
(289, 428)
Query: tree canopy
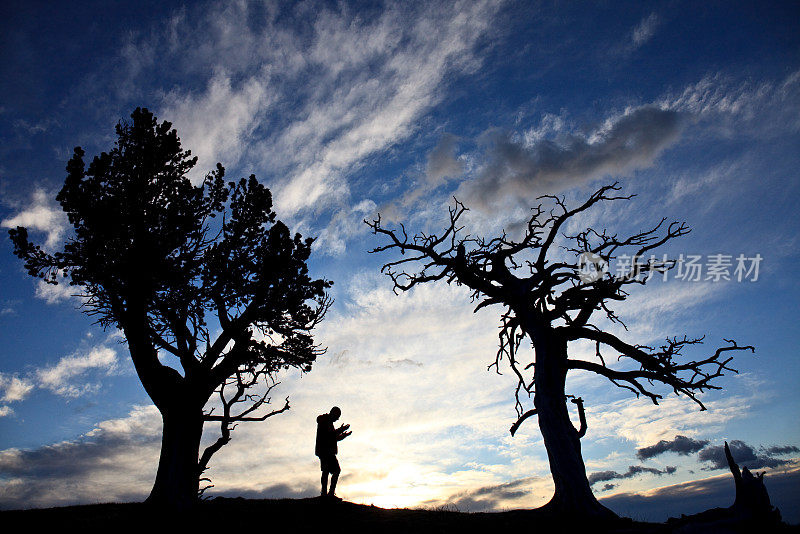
(170, 264)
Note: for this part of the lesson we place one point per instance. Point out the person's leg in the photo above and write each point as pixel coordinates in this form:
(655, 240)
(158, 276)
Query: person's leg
(335, 470)
(334, 479)
(324, 481)
(325, 468)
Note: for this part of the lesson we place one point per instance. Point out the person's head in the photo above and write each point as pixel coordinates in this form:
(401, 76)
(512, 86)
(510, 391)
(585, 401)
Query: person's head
(335, 413)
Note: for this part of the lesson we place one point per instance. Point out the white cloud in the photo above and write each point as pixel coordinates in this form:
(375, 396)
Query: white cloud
(652, 310)
(550, 125)
(645, 30)
(60, 378)
(644, 423)
(344, 225)
(719, 93)
(41, 215)
(366, 115)
(216, 123)
(322, 99)
(142, 421)
(14, 388)
(53, 294)
(640, 35)
(706, 183)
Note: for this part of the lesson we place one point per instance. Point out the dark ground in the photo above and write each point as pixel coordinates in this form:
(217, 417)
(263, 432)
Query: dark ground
(314, 515)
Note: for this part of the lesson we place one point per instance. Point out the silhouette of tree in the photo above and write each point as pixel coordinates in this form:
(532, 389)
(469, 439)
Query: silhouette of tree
(154, 259)
(550, 301)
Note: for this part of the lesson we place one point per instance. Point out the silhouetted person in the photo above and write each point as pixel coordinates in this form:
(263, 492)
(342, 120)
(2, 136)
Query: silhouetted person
(327, 447)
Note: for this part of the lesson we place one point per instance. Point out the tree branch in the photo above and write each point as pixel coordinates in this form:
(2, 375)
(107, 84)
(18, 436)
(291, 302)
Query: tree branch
(521, 419)
(581, 416)
(658, 366)
(242, 383)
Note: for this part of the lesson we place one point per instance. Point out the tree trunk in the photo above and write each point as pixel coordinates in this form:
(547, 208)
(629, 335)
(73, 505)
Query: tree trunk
(573, 494)
(752, 499)
(176, 483)
(177, 478)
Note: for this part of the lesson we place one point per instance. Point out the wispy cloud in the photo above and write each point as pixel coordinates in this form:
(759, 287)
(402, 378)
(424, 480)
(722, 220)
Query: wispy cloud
(343, 226)
(216, 124)
(709, 184)
(727, 106)
(9, 307)
(639, 36)
(322, 99)
(645, 30)
(493, 497)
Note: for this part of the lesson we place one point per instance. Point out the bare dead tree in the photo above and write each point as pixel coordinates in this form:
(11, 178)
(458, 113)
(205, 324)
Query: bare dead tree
(752, 499)
(550, 302)
(751, 510)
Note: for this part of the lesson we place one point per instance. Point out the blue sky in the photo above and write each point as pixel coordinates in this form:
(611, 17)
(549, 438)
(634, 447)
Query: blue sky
(348, 109)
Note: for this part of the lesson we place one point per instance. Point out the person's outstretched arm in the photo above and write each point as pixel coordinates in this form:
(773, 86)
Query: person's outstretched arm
(342, 432)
